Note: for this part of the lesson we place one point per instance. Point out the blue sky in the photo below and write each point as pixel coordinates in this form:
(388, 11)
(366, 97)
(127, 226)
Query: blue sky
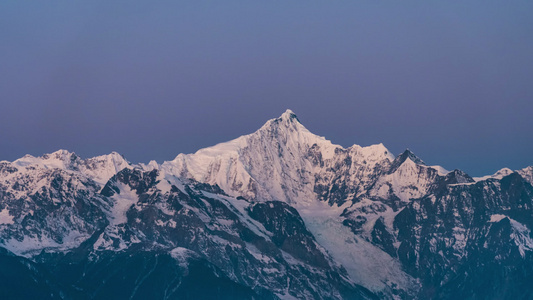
(151, 79)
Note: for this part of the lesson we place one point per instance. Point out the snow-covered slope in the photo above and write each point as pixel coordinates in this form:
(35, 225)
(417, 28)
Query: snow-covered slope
(269, 164)
(499, 174)
(52, 202)
(99, 168)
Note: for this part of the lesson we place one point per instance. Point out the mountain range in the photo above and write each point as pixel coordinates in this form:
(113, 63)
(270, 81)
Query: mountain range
(277, 214)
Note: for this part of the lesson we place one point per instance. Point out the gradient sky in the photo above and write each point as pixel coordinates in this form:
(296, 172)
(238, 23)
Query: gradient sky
(150, 79)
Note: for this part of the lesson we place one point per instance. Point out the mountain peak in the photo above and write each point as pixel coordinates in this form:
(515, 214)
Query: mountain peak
(61, 159)
(503, 172)
(407, 154)
(60, 154)
(287, 123)
(288, 115)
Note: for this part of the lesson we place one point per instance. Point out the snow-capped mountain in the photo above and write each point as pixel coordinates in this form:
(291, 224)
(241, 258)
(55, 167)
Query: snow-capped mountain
(283, 161)
(279, 213)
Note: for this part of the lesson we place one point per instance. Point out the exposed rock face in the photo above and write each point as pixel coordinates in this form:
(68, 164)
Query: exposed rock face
(447, 235)
(278, 213)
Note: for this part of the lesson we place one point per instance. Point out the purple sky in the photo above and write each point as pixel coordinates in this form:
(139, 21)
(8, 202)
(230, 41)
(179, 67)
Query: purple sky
(150, 79)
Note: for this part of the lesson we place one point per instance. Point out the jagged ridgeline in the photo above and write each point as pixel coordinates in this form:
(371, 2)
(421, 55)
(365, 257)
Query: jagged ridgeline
(277, 214)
